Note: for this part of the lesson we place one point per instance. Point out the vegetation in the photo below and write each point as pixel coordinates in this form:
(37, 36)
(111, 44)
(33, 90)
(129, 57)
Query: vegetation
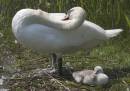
(113, 55)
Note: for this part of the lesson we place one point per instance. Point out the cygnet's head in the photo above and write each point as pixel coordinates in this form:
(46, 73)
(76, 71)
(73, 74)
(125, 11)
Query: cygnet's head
(98, 69)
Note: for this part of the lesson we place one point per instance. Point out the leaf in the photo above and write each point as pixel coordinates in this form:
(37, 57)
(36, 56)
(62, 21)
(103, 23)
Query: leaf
(127, 20)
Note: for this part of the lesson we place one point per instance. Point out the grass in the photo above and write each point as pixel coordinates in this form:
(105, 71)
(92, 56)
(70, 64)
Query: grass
(114, 60)
(113, 55)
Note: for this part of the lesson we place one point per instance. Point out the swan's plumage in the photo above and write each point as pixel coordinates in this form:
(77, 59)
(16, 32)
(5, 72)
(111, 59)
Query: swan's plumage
(50, 33)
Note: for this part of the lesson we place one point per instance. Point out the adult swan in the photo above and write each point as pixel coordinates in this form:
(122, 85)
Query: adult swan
(58, 33)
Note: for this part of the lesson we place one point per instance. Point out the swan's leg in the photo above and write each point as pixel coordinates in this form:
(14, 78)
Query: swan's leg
(51, 70)
(59, 61)
(53, 59)
(56, 66)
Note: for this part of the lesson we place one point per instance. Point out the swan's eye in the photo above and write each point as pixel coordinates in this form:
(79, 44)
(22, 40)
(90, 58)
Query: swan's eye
(68, 12)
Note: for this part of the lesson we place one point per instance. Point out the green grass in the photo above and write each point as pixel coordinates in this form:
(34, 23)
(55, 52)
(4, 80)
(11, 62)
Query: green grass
(113, 55)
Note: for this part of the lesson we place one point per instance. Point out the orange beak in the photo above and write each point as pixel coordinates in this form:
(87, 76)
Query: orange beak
(66, 18)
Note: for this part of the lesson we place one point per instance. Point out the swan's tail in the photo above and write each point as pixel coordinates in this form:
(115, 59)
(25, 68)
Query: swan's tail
(112, 33)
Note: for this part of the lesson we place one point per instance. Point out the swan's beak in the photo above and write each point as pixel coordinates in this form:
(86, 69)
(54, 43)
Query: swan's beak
(66, 18)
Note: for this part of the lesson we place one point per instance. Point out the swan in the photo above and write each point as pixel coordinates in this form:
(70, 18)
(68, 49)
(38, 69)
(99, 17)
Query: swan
(58, 33)
(91, 77)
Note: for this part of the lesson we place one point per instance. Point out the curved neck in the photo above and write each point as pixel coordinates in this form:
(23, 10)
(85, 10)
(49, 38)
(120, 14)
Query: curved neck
(30, 16)
(74, 19)
(66, 25)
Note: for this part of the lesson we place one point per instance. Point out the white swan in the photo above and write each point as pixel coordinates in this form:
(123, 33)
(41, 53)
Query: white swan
(91, 77)
(58, 33)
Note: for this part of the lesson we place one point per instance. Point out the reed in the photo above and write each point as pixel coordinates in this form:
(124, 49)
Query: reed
(107, 13)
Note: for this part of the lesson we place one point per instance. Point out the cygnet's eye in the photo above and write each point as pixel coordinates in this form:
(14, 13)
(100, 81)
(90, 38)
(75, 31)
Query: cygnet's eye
(99, 71)
(96, 72)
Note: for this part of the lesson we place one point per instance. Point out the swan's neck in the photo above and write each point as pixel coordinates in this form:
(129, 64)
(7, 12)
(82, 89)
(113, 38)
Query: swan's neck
(27, 17)
(35, 17)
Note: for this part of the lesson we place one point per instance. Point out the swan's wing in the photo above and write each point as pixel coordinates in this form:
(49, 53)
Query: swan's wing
(57, 16)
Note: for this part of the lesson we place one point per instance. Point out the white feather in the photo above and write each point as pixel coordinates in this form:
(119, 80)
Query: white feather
(113, 32)
(48, 32)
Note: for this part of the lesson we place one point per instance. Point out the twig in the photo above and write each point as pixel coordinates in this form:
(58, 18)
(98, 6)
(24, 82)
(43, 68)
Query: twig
(66, 88)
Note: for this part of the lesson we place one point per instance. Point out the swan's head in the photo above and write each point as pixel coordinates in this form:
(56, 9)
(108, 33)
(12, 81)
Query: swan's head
(77, 13)
(74, 18)
(98, 69)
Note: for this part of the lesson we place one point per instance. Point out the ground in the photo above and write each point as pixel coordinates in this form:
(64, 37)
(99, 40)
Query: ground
(19, 63)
